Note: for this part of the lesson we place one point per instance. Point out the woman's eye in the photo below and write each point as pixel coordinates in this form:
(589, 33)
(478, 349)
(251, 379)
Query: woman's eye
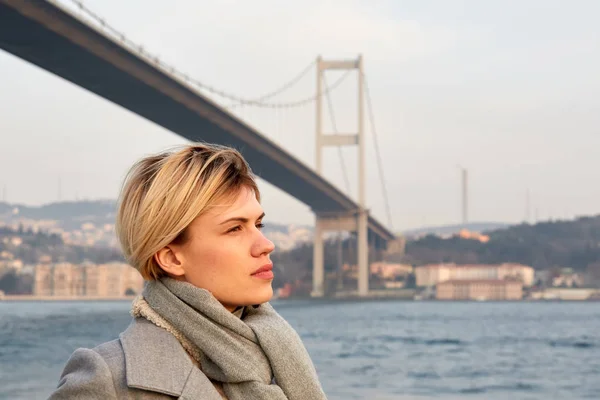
(235, 229)
(260, 226)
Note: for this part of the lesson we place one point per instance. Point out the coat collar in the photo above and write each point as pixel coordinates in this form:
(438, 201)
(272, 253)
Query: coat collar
(156, 361)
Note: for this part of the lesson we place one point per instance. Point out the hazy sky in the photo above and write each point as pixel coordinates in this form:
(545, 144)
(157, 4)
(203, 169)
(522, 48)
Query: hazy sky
(508, 89)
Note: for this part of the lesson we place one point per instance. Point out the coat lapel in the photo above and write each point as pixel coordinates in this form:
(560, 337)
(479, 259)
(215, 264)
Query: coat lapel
(198, 386)
(156, 361)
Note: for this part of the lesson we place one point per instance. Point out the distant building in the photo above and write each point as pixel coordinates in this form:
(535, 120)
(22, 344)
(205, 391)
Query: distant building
(292, 237)
(88, 226)
(431, 275)
(523, 273)
(568, 279)
(542, 277)
(382, 269)
(390, 270)
(467, 234)
(16, 241)
(65, 278)
(566, 294)
(396, 246)
(44, 259)
(11, 264)
(494, 289)
(105, 280)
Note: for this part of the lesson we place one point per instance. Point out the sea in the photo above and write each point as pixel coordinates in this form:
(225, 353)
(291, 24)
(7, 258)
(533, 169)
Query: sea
(362, 350)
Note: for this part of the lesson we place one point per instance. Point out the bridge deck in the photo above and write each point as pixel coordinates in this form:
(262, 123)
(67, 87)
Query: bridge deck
(55, 40)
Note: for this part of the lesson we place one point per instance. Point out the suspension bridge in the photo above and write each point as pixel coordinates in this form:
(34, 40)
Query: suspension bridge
(84, 49)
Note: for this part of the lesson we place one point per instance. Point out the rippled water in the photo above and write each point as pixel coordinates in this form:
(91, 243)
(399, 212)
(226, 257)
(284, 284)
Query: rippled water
(371, 350)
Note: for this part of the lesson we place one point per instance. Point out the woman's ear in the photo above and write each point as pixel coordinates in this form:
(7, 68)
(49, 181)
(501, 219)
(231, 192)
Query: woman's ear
(170, 261)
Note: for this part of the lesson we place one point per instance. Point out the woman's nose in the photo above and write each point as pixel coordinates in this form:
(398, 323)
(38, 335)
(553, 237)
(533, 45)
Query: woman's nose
(262, 246)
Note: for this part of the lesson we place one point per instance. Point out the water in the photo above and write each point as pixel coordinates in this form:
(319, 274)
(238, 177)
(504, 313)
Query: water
(372, 350)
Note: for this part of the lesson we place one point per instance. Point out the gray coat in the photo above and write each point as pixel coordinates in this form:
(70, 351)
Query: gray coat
(146, 362)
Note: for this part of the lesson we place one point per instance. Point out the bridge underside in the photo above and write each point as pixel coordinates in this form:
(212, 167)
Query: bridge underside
(50, 38)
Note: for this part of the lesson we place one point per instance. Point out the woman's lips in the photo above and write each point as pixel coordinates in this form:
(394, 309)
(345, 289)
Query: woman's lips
(264, 272)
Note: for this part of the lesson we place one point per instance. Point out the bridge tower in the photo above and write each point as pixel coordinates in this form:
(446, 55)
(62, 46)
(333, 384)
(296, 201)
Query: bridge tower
(357, 220)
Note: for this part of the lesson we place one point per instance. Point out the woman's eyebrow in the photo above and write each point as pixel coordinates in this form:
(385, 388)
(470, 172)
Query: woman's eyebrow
(242, 220)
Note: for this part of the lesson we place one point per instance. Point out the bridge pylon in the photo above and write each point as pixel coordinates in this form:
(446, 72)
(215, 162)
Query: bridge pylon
(357, 221)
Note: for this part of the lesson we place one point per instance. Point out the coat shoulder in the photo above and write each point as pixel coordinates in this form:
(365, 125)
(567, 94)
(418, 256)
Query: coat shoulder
(145, 363)
(112, 353)
(100, 373)
(85, 376)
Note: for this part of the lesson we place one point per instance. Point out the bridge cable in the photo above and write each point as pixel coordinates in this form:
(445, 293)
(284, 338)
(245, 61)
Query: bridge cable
(165, 67)
(291, 104)
(281, 89)
(377, 152)
(335, 130)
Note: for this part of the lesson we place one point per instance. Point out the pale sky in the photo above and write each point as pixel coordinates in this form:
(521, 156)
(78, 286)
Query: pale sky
(508, 89)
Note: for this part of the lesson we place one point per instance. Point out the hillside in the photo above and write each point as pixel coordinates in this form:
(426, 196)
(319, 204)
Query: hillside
(68, 214)
(573, 244)
(31, 247)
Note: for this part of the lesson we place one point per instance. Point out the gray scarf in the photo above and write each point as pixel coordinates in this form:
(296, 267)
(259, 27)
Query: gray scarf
(244, 354)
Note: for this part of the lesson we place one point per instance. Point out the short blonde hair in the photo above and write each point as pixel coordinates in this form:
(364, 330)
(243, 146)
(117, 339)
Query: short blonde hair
(163, 193)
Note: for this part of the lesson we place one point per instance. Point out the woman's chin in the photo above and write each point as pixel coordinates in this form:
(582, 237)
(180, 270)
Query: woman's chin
(262, 295)
(267, 294)
(251, 298)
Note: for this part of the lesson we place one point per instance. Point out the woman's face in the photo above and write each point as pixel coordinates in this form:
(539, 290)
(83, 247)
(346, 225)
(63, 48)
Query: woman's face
(227, 254)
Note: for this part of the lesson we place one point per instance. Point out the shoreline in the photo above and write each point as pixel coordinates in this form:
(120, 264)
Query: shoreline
(346, 298)
(29, 297)
(323, 300)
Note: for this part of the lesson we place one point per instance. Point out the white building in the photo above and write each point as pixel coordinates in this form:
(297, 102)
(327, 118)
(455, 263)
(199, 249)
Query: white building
(431, 275)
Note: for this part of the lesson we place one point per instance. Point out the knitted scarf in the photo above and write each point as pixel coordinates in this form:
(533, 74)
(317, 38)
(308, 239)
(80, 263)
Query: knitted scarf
(245, 355)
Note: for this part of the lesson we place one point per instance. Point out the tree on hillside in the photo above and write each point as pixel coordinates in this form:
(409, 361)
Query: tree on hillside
(564, 243)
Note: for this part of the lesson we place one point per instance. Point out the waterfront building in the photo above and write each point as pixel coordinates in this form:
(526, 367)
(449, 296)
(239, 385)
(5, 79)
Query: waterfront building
(483, 289)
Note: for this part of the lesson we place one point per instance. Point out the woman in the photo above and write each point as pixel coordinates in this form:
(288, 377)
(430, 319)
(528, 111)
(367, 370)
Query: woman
(190, 222)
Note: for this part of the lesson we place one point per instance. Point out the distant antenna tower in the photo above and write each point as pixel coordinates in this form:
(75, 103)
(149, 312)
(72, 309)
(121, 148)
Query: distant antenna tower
(527, 207)
(465, 195)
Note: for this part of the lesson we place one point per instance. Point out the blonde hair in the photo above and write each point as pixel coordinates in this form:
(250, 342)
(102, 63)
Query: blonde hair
(163, 193)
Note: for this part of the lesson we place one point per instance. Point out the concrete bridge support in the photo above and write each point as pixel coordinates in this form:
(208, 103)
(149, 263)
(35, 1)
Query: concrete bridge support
(358, 222)
(333, 222)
